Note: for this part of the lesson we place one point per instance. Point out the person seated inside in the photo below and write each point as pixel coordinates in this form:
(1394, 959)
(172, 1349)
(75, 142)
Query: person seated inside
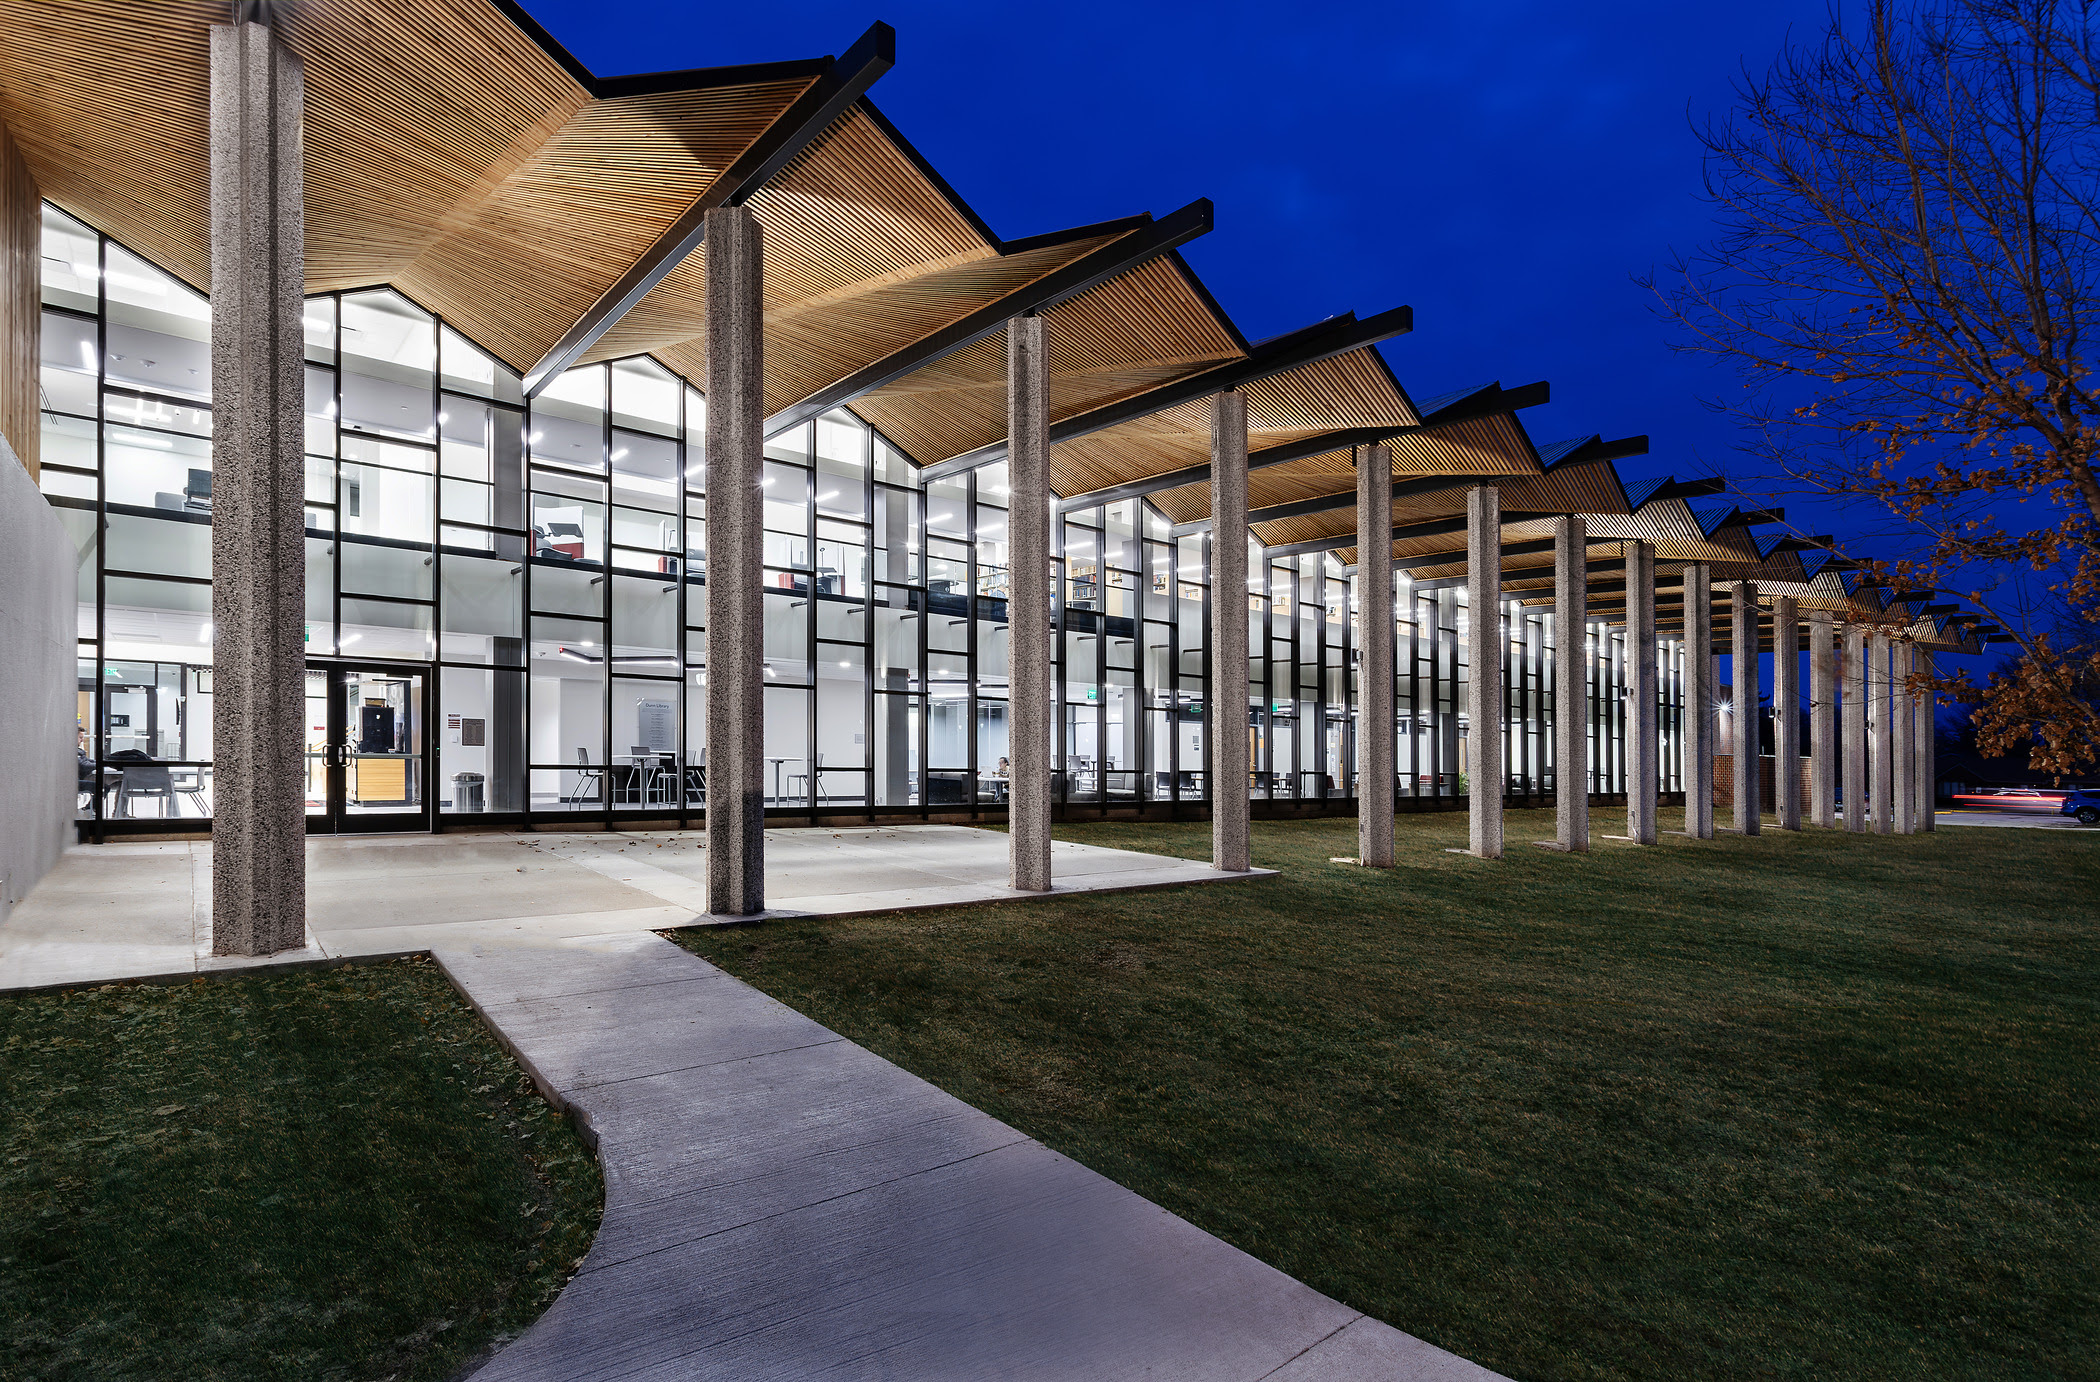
(1004, 769)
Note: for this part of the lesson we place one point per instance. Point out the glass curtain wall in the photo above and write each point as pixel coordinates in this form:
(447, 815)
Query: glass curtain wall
(545, 563)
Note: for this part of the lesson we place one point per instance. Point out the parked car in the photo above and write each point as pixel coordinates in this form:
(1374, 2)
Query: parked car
(2082, 804)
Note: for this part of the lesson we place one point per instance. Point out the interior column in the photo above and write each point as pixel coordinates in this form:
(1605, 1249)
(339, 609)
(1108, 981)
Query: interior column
(1376, 764)
(1028, 609)
(736, 663)
(1643, 748)
(1853, 785)
(1786, 711)
(1698, 702)
(1484, 669)
(1571, 684)
(258, 538)
(1822, 719)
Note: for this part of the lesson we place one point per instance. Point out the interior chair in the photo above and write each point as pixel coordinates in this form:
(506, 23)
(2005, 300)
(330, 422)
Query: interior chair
(196, 495)
(191, 783)
(145, 782)
(586, 773)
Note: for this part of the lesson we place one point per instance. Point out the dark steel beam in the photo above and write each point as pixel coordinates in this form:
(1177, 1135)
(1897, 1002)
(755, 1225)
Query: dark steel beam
(1143, 240)
(800, 125)
(1305, 346)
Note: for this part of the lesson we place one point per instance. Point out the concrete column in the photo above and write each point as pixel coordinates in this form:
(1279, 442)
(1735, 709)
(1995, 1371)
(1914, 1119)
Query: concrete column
(1927, 738)
(1031, 699)
(1881, 741)
(1854, 785)
(1743, 610)
(1571, 685)
(1228, 631)
(1376, 763)
(1903, 755)
(1484, 668)
(258, 539)
(1698, 702)
(1822, 719)
(736, 653)
(1786, 711)
(1643, 748)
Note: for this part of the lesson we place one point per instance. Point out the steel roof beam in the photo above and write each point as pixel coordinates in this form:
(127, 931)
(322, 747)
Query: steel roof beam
(841, 84)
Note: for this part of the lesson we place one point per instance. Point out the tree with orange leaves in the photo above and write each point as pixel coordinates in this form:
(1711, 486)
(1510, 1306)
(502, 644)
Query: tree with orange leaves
(1907, 278)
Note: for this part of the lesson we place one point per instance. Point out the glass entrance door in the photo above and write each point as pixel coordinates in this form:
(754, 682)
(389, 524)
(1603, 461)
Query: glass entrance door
(367, 752)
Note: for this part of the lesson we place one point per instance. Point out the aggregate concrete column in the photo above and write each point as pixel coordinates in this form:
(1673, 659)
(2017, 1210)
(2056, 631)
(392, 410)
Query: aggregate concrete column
(1376, 763)
(258, 263)
(1743, 722)
(1927, 736)
(1643, 749)
(1854, 785)
(1786, 711)
(1229, 810)
(1698, 702)
(1881, 773)
(1903, 757)
(1484, 669)
(1571, 685)
(736, 665)
(1822, 719)
(1028, 712)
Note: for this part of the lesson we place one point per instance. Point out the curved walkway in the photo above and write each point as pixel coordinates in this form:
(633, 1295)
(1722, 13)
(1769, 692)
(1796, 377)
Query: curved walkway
(781, 1203)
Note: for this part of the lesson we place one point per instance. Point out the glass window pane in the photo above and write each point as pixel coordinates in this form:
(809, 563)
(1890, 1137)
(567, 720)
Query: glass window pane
(568, 421)
(469, 369)
(69, 374)
(159, 330)
(645, 472)
(158, 470)
(645, 762)
(644, 396)
(71, 254)
(482, 609)
(389, 367)
(481, 740)
(381, 628)
(645, 624)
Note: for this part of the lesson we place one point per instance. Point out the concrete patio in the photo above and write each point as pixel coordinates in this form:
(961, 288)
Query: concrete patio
(143, 911)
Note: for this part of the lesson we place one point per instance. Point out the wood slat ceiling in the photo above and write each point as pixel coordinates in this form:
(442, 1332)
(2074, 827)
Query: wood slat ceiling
(1581, 487)
(1353, 389)
(864, 256)
(1135, 332)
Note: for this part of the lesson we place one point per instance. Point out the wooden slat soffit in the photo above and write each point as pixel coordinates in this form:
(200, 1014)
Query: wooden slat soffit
(21, 236)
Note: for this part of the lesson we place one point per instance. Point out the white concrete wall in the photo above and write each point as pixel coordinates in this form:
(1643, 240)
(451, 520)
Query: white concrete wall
(38, 682)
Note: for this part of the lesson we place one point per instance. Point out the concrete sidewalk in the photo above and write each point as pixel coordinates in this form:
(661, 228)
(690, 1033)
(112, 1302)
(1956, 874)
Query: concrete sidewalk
(143, 910)
(783, 1204)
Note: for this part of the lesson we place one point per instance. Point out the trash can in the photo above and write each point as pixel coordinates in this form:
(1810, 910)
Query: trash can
(467, 791)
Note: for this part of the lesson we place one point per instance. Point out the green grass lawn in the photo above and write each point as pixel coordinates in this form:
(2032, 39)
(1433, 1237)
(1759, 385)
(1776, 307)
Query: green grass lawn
(316, 1174)
(1801, 1106)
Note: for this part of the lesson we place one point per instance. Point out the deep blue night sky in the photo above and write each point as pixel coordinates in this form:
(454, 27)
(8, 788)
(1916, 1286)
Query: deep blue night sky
(1505, 168)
